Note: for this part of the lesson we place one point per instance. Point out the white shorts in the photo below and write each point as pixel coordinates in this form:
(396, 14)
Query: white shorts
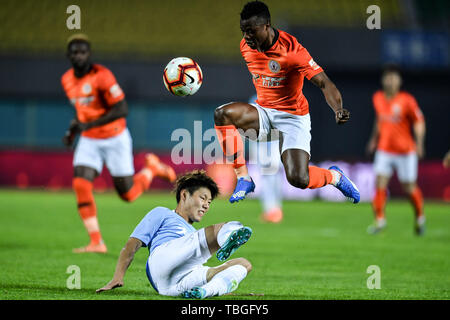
(404, 164)
(116, 152)
(296, 129)
(177, 265)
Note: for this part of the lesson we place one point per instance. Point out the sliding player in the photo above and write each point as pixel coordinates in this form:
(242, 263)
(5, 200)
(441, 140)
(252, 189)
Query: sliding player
(100, 119)
(278, 64)
(178, 251)
(397, 112)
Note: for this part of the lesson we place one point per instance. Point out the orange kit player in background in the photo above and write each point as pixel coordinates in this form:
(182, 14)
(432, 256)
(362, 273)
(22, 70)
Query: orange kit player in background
(278, 64)
(100, 118)
(397, 112)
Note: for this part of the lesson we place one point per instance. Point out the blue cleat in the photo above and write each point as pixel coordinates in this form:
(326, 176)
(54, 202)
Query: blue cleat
(242, 188)
(195, 292)
(236, 239)
(346, 186)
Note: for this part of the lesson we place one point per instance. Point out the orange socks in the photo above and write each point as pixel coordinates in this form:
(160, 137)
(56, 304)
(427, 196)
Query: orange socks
(319, 177)
(232, 145)
(87, 208)
(379, 202)
(141, 183)
(416, 198)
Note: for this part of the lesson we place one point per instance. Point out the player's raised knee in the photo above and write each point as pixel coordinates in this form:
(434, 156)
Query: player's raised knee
(223, 114)
(245, 263)
(298, 179)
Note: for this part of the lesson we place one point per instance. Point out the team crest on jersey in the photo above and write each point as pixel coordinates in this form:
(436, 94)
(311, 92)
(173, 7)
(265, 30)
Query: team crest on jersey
(274, 66)
(86, 88)
(396, 109)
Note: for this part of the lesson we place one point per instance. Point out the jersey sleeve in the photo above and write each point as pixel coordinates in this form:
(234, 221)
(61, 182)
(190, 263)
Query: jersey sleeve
(414, 112)
(109, 88)
(147, 228)
(302, 60)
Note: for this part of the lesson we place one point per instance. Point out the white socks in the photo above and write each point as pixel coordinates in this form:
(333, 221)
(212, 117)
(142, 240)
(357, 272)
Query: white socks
(336, 177)
(225, 281)
(225, 231)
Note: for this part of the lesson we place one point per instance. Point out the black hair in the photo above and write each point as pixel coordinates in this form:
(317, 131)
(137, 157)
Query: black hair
(391, 67)
(256, 9)
(194, 180)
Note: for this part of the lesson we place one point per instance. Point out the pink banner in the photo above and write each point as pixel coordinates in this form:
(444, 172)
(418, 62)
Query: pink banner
(53, 170)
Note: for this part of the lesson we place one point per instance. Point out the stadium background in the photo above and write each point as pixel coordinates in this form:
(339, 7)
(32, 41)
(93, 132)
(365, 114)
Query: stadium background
(135, 39)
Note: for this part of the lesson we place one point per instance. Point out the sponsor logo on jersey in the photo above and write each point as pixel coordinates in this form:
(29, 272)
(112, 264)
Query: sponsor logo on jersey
(267, 81)
(115, 90)
(313, 64)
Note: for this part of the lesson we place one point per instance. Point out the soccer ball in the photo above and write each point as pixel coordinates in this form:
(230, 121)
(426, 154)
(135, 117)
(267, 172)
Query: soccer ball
(182, 76)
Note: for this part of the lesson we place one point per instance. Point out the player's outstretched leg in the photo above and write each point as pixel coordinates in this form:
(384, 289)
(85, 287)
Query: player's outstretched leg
(346, 186)
(304, 176)
(235, 239)
(83, 187)
(227, 120)
(222, 280)
(130, 188)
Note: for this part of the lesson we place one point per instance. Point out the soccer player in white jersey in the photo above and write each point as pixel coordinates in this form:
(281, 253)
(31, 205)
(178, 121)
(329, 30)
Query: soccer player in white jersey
(266, 154)
(178, 251)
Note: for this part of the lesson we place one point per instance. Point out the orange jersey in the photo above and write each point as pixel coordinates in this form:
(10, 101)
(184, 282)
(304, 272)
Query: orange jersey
(278, 73)
(92, 96)
(395, 118)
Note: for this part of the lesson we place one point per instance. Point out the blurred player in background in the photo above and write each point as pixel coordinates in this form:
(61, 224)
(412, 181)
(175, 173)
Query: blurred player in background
(446, 160)
(177, 251)
(267, 159)
(278, 64)
(397, 112)
(100, 119)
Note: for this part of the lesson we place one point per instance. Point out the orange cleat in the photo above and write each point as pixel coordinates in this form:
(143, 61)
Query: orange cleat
(92, 247)
(273, 216)
(158, 168)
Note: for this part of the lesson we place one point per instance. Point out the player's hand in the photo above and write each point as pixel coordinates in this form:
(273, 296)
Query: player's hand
(371, 146)
(420, 151)
(342, 116)
(68, 139)
(111, 285)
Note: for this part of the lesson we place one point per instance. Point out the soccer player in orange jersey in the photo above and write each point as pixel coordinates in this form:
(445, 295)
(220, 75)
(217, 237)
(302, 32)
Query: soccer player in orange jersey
(278, 64)
(100, 119)
(397, 112)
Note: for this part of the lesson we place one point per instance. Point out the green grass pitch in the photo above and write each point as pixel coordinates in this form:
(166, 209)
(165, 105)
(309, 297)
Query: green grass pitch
(319, 251)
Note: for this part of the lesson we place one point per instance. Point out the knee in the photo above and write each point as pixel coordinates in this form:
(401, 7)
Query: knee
(81, 185)
(245, 263)
(298, 179)
(223, 115)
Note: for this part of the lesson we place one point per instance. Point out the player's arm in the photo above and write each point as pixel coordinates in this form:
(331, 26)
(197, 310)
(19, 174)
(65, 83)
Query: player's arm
(372, 144)
(125, 259)
(72, 131)
(419, 130)
(117, 111)
(332, 96)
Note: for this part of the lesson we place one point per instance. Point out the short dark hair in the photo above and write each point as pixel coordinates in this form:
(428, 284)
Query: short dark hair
(194, 180)
(255, 9)
(390, 67)
(78, 38)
